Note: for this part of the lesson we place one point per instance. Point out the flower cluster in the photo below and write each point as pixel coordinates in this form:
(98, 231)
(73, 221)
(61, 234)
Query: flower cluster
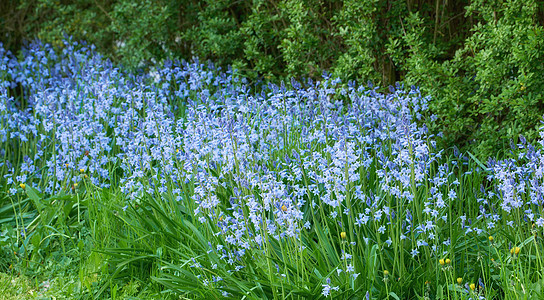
(256, 164)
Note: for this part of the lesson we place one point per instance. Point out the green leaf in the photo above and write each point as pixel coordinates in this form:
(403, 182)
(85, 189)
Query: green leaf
(33, 195)
(392, 294)
(440, 292)
(479, 162)
(35, 240)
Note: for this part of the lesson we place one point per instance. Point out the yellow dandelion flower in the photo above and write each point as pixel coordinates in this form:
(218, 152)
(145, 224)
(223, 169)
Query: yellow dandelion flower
(22, 185)
(459, 280)
(343, 234)
(515, 250)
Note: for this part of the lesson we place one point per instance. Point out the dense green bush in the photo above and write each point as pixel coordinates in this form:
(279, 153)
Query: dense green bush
(492, 89)
(480, 60)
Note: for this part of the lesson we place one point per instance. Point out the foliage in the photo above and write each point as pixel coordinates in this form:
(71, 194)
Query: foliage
(187, 181)
(479, 60)
(489, 93)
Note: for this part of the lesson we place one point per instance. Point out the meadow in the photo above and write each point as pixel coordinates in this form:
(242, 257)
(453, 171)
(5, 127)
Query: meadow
(189, 182)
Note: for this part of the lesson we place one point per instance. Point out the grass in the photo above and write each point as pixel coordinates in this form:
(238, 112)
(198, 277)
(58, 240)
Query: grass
(187, 183)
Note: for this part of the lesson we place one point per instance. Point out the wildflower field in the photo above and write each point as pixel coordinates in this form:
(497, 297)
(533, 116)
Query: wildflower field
(188, 182)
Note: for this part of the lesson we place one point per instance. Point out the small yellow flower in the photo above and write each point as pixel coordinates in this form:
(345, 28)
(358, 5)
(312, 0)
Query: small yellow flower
(66, 165)
(515, 250)
(284, 208)
(177, 150)
(385, 273)
(75, 184)
(343, 234)
(82, 170)
(22, 185)
(472, 286)
(441, 261)
(459, 280)
(448, 261)
(491, 238)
